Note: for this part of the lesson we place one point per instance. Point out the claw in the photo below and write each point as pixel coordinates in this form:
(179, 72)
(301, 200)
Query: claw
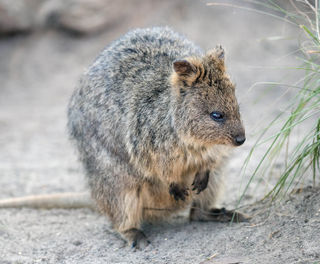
(200, 181)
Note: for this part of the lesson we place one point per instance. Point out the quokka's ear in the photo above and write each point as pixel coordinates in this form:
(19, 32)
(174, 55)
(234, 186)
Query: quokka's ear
(217, 53)
(184, 67)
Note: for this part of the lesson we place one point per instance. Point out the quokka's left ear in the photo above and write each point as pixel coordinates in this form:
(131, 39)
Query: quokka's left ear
(217, 53)
(184, 68)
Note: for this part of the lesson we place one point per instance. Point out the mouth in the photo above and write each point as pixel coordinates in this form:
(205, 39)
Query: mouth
(228, 141)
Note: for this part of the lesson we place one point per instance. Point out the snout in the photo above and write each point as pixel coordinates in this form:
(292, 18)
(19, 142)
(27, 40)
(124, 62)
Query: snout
(239, 139)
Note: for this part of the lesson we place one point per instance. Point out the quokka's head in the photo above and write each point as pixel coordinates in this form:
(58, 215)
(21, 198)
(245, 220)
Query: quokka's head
(207, 111)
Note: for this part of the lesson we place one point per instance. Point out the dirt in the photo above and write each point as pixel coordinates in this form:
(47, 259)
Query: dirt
(38, 72)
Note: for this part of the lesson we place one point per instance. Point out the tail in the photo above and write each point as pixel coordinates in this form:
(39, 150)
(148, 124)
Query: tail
(50, 201)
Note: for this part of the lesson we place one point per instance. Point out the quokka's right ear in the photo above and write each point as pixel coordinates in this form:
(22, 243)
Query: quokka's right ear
(184, 68)
(217, 53)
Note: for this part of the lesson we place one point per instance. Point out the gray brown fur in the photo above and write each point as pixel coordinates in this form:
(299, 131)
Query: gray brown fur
(141, 121)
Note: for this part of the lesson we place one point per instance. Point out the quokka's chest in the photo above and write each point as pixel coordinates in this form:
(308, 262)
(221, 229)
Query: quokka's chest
(205, 158)
(187, 164)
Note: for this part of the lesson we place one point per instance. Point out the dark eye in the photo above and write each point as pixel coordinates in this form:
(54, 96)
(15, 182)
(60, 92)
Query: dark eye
(217, 116)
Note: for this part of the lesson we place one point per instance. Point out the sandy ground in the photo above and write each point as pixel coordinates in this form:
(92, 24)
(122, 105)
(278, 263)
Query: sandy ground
(38, 73)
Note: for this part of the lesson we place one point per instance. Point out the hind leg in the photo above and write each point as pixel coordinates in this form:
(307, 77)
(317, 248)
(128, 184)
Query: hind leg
(119, 197)
(129, 220)
(209, 186)
(146, 202)
(217, 215)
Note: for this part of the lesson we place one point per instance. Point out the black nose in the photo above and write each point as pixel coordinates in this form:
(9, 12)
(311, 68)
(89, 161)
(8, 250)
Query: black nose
(239, 140)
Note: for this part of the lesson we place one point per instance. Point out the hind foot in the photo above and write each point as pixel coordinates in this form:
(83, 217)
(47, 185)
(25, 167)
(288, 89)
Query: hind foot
(217, 215)
(136, 238)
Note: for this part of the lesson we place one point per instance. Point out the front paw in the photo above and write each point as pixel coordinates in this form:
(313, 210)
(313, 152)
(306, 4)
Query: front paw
(178, 191)
(200, 181)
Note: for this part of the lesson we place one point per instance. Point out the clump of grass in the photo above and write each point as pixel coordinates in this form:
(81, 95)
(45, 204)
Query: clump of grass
(305, 108)
(300, 157)
(304, 155)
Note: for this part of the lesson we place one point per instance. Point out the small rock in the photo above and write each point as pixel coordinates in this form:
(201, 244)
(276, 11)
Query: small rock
(77, 243)
(83, 16)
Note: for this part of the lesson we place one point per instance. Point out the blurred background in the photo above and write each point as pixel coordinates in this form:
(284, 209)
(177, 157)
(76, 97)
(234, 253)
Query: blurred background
(45, 45)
